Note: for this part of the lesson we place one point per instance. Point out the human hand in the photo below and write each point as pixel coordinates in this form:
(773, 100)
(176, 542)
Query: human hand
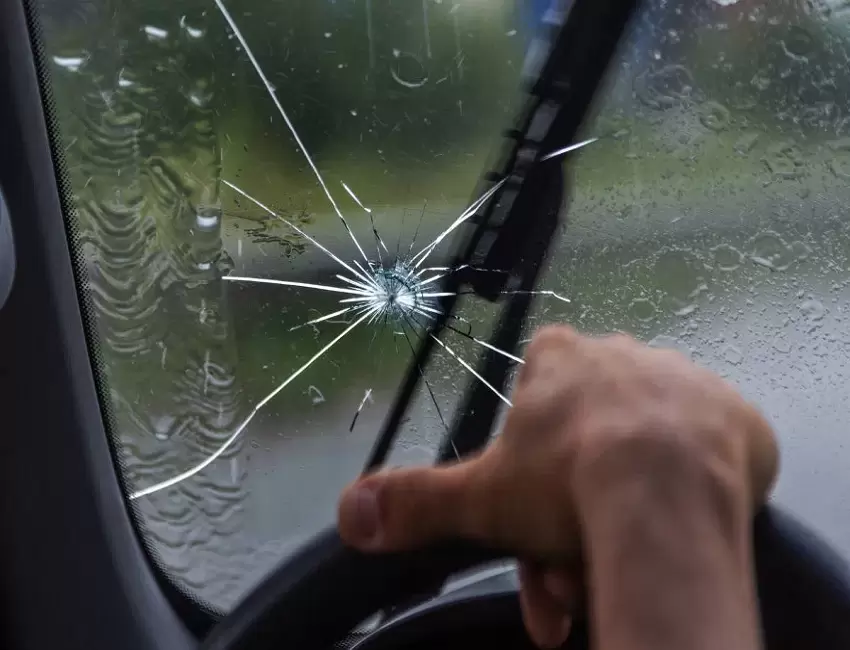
(628, 461)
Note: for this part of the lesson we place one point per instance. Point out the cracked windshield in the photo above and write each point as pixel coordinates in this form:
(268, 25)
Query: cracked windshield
(266, 194)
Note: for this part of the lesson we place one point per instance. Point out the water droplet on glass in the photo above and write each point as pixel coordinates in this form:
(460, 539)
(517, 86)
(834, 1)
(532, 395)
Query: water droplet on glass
(155, 33)
(192, 32)
(798, 43)
(763, 261)
(813, 309)
(746, 142)
(732, 354)
(781, 344)
(760, 82)
(839, 161)
(671, 343)
(770, 250)
(70, 63)
(687, 310)
(642, 309)
(714, 116)
(726, 257)
(199, 97)
(784, 160)
(408, 70)
(207, 220)
(678, 274)
(315, 394)
(665, 87)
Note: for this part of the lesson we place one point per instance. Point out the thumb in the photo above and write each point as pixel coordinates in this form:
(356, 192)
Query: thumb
(401, 509)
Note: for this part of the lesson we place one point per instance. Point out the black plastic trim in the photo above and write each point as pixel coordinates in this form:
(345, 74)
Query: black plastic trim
(72, 570)
(7, 252)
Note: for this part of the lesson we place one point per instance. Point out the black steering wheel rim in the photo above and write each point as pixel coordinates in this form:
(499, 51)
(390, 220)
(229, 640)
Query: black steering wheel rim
(317, 596)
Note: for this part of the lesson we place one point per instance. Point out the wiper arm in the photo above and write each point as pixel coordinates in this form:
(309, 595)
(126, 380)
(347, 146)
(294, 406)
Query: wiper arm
(513, 230)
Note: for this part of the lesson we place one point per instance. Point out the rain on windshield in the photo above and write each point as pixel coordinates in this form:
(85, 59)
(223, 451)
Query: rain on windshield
(266, 194)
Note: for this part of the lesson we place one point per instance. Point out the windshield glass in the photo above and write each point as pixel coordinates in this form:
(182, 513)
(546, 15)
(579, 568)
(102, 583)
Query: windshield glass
(264, 198)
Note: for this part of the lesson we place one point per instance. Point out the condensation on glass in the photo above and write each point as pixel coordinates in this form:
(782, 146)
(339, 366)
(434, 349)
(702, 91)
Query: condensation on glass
(708, 216)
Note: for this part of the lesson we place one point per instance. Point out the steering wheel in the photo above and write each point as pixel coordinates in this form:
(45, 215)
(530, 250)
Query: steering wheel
(315, 598)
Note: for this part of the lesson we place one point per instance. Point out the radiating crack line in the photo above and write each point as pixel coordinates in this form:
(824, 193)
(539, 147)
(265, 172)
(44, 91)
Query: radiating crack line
(454, 329)
(356, 200)
(378, 330)
(504, 353)
(425, 381)
(437, 312)
(474, 372)
(433, 278)
(416, 232)
(377, 310)
(227, 443)
(541, 292)
(455, 269)
(367, 274)
(361, 299)
(370, 289)
(315, 243)
(472, 209)
(565, 150)
(432, 310)
(510, 292)
(366, 398)
(379, 243)
(321, 319)
(475, 339)
(422, 255)
(292, 283)
(270, 88)
(379, 240)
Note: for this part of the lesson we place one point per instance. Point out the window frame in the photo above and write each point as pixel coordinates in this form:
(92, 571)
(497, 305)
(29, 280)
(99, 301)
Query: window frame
(73, 570)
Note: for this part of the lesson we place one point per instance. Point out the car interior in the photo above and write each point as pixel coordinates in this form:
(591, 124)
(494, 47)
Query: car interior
(77, 569)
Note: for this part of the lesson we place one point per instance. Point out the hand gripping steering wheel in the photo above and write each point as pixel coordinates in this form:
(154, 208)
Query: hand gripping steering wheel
(321, 593)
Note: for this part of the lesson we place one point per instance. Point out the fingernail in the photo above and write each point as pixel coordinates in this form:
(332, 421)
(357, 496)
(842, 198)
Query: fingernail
(365, 517)
(557, 634)
(557, 585)
(566, 627)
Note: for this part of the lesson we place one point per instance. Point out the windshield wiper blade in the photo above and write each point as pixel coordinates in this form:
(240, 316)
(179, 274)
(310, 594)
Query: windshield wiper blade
(512, 231)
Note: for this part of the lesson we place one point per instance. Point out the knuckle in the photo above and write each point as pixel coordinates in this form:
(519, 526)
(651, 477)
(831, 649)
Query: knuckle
(670, 356)
(620, 448)
(547, 343)
(551, 336)
(620, 340)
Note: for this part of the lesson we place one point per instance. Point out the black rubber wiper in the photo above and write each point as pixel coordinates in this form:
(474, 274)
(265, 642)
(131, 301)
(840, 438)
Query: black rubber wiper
(513, 230)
